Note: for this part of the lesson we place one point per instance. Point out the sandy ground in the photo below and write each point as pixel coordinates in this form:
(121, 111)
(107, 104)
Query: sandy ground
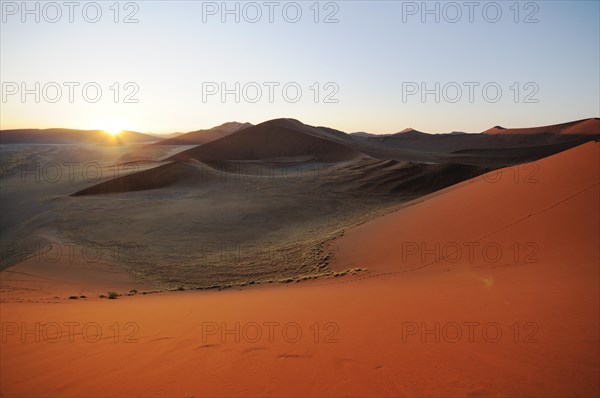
(522, 324)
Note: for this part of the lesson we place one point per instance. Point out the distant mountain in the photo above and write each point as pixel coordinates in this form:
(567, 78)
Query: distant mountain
(200, 137)
(71, 136)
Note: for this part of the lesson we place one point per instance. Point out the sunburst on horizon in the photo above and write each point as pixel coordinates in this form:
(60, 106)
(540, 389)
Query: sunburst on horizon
(112, 129)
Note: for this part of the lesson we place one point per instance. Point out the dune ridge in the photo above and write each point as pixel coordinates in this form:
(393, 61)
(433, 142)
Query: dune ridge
(202, 136)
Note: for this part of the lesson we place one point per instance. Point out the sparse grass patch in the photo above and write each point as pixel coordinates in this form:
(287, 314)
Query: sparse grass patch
(355, 271)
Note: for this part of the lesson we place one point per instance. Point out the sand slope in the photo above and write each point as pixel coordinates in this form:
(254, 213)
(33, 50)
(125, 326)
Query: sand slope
(522, 202)
(154, 178)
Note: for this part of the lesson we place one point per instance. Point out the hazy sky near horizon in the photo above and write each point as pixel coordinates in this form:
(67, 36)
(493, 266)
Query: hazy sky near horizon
(369, 64)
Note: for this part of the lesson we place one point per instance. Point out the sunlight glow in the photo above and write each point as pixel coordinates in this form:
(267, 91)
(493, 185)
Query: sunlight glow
(112, 129)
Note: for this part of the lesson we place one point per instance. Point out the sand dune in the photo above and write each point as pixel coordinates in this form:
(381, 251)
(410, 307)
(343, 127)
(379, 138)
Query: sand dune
(398, 179)
(200, 137)
(514, 154)
(585, 126)
(70, 136)
(540, 194)
(279, 139)
(154, 178)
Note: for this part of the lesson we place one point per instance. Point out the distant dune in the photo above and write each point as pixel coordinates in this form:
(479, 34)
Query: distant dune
(410, 131)
(70, 136)
(274, 140)
(585, 127)
(497, 146)
(200, 137)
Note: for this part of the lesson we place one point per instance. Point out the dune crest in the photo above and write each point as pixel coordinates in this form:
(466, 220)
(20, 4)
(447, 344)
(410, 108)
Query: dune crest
(200, 137)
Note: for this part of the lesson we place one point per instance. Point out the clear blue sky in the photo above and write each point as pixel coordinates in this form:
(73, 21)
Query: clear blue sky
(375, 51)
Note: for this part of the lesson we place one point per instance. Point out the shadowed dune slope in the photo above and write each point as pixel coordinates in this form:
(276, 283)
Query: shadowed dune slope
(280, 139)
(527, 152)
(157, 177)
(397, 179)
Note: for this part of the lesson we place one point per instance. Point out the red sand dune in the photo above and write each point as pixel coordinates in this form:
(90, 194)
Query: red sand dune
(530, 201)
(372, 335)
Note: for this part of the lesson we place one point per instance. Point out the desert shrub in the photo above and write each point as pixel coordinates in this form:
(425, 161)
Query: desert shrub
(112, 295)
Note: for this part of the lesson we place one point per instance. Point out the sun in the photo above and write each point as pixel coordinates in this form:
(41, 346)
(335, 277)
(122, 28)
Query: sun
(111, 130)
